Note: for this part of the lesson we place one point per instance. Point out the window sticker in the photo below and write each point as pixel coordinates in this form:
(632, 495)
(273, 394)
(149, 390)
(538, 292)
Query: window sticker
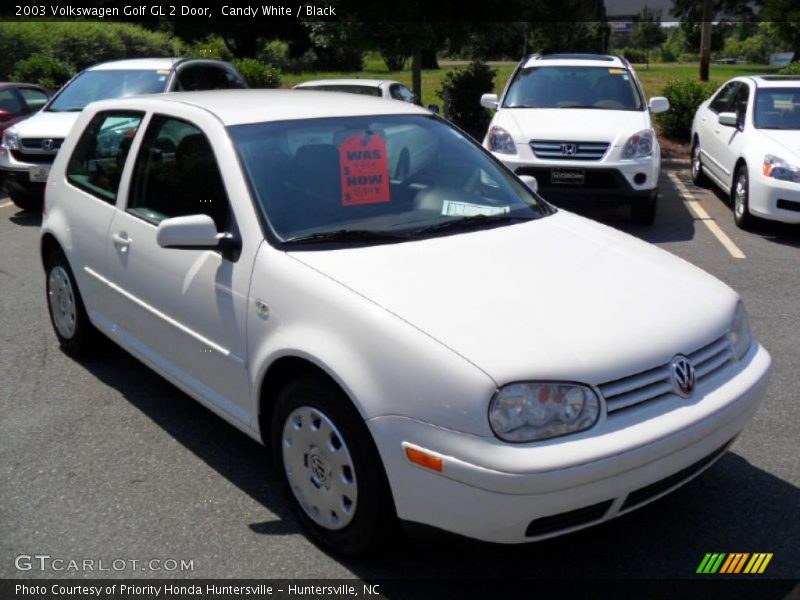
(451, 208)
(616, 71)
(364, 169)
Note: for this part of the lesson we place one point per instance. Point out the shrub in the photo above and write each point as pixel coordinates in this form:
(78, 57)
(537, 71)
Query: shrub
(463, 89)
(634, 55)
(47, 71)
(791, 69)
(684, 96)
(257, 74)
(687, 57)
(211, 47)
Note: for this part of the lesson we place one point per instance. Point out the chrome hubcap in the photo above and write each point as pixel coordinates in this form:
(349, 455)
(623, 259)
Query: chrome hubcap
(740, 195)
(61, 299)
(696, 161)
(319, 468)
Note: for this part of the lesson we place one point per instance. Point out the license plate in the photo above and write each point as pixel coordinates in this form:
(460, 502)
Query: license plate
(567, 176)
(39, 174)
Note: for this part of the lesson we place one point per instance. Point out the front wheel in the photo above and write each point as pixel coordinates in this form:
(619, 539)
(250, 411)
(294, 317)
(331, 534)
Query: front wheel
(26, 202)
(329, 464)
(741, 200)
(644, 211)
(699, 178)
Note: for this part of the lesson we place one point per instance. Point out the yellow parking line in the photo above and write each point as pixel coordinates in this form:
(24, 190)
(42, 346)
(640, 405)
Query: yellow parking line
(6, 204)
(700, 213)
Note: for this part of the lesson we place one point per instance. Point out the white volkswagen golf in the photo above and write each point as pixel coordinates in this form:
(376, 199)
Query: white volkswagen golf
(419, 339)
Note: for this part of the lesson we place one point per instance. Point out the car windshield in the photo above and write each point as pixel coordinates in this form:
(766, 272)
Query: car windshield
(364, 90)
(778, 108)
(606, 88)
(91, 86)
(377, 179)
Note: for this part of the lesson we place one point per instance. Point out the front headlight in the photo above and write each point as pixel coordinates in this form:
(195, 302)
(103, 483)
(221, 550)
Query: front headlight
(740, 336)
(500, 141)
(777, 168)
(639, 144)
(525, 412)
(10, 139)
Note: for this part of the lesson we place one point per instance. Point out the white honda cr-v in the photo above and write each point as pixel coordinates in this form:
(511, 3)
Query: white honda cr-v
(580, 125)
(425, 339)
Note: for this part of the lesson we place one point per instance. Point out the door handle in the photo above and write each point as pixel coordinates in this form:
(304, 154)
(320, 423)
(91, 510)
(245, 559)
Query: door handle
(121, 241)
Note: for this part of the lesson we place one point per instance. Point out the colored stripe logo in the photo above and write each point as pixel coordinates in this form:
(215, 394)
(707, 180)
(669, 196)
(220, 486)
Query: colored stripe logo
(734, 563)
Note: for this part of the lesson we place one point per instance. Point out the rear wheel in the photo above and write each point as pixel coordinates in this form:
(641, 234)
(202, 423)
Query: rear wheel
(741, 199)
(699, 178)
(331, 469)
(76, 334)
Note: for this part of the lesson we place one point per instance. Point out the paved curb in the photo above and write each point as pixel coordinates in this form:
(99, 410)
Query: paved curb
(675, 162)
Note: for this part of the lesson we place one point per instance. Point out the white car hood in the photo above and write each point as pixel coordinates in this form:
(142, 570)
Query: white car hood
(557, 298)
(572, 124)
(788, 138)
(45, 124)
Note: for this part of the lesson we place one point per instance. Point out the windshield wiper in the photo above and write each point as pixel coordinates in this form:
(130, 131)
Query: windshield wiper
(471, 221)
(347, 235)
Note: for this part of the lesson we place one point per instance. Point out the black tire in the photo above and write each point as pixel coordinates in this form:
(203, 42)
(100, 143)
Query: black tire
(740, 199)
(643, 211)
(83, 337)
(699, 178)
(26, 202)
(374, 518)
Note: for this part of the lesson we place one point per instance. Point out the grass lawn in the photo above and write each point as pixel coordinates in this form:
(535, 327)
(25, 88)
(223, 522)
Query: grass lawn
(653, 78)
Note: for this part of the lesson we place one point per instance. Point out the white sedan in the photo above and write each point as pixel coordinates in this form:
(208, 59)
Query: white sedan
(438, 345)
(746, 139)
(381, 88)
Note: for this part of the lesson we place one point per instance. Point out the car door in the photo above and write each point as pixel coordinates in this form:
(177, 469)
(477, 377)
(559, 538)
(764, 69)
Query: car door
(729, 139)
(710, 139)
(183, 311)
(95, 172)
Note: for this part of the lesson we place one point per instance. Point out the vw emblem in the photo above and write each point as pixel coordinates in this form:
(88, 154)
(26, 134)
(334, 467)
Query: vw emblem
(318, 467)
(569, 149)
(47, 145)
(683, 376)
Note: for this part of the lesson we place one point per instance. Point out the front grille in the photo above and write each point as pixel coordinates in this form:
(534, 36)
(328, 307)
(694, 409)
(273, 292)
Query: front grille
(33, 158)
(566, 520)
(656, 383)
(35, 144)
(662, 485)
(554, 150)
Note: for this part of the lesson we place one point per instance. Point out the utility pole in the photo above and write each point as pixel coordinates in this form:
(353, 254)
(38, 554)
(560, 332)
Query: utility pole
(705, 40)
(416, 72)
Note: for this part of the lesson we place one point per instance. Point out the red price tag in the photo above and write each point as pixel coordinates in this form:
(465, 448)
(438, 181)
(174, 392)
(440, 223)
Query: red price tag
(364, 170)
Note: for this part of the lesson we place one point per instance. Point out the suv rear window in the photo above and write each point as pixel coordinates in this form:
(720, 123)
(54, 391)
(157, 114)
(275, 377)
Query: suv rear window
(606, 88)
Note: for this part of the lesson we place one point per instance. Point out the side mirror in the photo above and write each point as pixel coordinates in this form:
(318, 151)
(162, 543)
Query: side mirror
(658, 104)
(434, 108)
(530, 182)
(5, 116)
(193, 232)
(489, 101)
(729, 119)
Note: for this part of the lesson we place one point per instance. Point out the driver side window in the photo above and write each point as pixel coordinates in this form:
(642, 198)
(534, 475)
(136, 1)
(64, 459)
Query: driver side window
(723, 98)
(177, 175)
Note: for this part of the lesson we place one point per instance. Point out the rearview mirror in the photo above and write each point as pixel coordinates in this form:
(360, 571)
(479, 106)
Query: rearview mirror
(434, 108)
(658, 104)
(489, 101)
(729, 119)
(530, 182)
(194, 232)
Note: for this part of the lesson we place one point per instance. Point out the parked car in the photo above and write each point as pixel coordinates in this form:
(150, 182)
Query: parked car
(580, 125)
(746, 139)
(28, 149)
(382, 88)
(19, 101)
(441, 346)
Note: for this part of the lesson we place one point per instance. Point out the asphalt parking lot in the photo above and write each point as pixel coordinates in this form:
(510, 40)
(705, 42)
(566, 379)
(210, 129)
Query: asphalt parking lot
(102, 459)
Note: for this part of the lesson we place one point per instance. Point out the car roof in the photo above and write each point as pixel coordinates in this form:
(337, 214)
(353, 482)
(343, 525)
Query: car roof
(144, 64)
(236, 107)
(574, 60)
(765, 81)
(364, 82)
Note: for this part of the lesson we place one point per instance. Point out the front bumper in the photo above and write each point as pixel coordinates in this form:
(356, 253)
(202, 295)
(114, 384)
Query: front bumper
(775, 199)
(514, 493)
(15, 173)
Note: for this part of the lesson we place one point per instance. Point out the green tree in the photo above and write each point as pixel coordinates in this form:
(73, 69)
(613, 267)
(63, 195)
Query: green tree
(647, 32)
(785, 21)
